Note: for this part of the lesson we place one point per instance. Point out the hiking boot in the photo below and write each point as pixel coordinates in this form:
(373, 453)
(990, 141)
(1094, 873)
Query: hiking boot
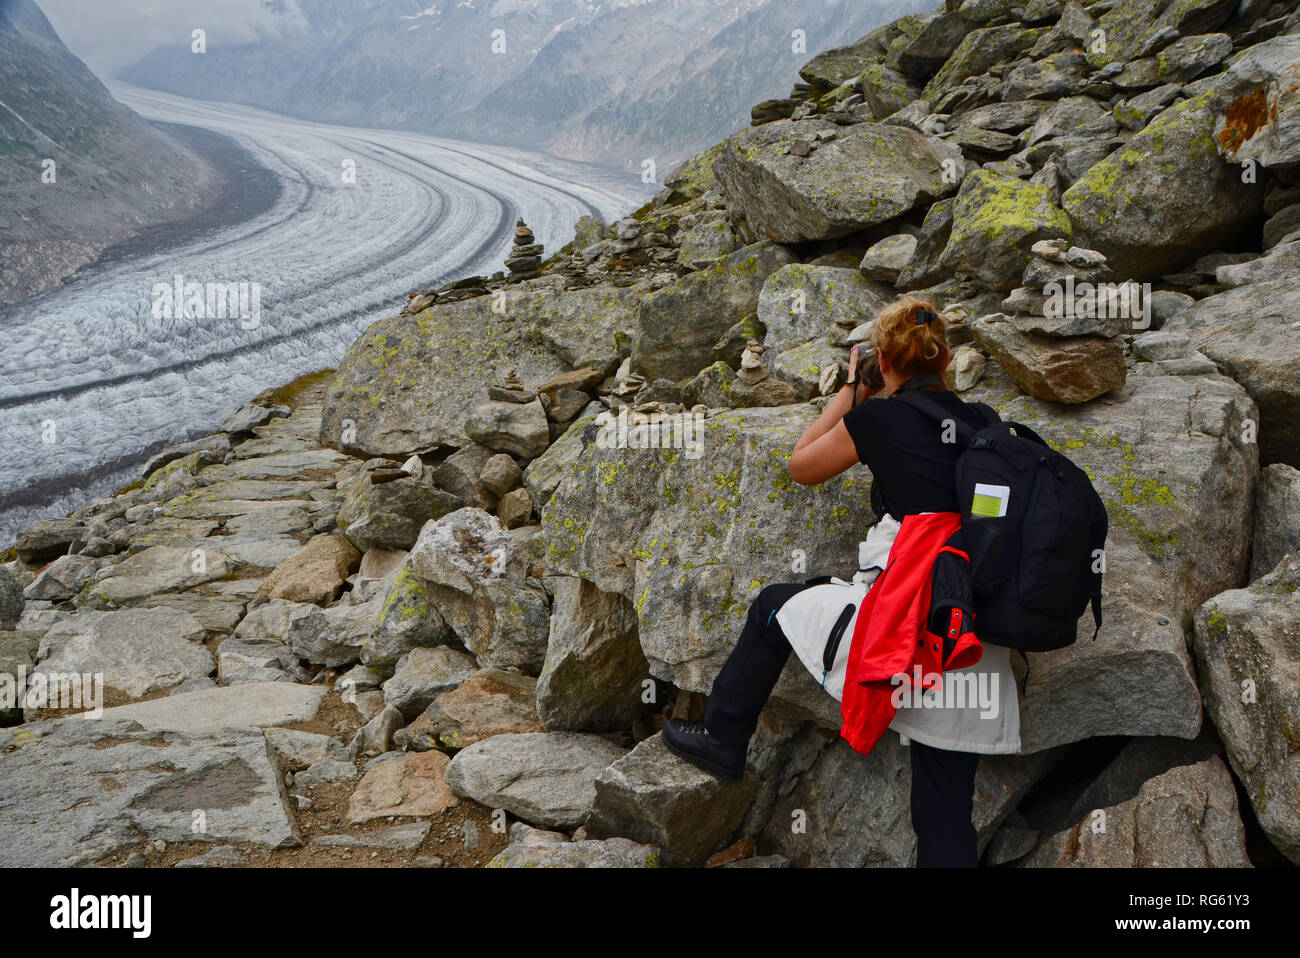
(693, 742)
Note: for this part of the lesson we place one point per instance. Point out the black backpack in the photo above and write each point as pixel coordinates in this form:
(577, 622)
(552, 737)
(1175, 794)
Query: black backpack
(1034, 526)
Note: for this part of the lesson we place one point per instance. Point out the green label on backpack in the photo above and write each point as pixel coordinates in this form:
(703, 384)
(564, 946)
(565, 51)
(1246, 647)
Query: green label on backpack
(990, 501)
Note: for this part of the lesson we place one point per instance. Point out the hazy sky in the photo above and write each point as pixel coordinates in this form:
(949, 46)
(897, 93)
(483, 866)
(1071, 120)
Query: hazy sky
(110, 34)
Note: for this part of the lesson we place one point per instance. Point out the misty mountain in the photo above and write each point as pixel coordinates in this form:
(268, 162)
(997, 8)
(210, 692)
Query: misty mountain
(78, 170)
(603, 82)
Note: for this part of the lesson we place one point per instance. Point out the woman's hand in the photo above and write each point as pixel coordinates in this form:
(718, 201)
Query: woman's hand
(861, 391)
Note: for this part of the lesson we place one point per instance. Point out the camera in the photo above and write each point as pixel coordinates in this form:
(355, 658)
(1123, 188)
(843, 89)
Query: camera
(869, 368)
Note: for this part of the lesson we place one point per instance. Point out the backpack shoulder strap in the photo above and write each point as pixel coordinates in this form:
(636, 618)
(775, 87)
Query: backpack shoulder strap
(918, 400)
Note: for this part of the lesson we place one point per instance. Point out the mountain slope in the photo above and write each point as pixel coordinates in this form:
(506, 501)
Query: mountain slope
(609, 83)
(111, 171)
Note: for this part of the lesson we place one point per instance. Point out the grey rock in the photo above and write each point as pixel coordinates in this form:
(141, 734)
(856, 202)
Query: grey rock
(427, 372)
(407, 620)
(477, 577)
(1071, 370)
(1272, 138)
(406, 837)
(501, 473)
(610, 853)
(1246, 649)
(62, 578)
(545, 778)
(654, 797)
(869, 174)
(253, 660)
(690, 606)
(592, 679)
(248, 416)
(514, 428)
(223, 856)
(243, 706)
(1277, 518)
(11, 601)
(388, 514)
(678, 325)
(1169, 458)
(1250, 333)
(800, 304)
(159, 785)
(887, 258)
(331, 637)
(47, 539)
(851, 810)
(135, 650)
(996, 220)
(1186, 817)
(421, 674)
(327, 771)
(1164, 198)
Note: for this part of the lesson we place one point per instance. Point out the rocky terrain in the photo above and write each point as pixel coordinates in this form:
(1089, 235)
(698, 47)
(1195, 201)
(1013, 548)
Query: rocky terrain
(112, 173)
(432, 608)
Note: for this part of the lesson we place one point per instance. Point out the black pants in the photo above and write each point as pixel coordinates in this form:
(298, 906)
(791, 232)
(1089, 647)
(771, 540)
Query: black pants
(943, 782)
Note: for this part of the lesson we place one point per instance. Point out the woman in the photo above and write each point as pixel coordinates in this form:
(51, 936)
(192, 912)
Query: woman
(911, 456)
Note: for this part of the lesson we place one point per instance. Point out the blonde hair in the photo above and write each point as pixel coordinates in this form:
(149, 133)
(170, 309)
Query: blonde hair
(913, 349)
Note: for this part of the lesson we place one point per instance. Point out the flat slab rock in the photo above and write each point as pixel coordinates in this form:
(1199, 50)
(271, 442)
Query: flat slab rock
(75, 791)
(134, 650)
(258, 704)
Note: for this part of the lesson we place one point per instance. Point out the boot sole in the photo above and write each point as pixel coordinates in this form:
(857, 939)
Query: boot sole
(713, 768)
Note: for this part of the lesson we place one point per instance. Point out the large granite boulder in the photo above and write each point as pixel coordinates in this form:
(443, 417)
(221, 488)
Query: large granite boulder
(1175, 467)
(1250, 333)
(801, 303)
(851, 810)
(996, 220)
(1186, 817)
(134, 651)
(690, 541)
(867, 174)
(677, 326)
(1165, 197)
(1248, 656)
(385, 508)
(1277, 518)
(410, 382)
(407, 620)
(1257, 106)
(1072, 370)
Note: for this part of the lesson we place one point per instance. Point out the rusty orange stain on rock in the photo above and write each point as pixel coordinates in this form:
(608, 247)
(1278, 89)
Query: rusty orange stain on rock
(1241, 120)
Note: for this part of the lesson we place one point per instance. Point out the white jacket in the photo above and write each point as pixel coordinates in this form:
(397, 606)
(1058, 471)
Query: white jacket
(982, 713)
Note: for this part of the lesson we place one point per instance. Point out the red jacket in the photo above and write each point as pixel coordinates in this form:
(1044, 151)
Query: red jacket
(893, 630)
